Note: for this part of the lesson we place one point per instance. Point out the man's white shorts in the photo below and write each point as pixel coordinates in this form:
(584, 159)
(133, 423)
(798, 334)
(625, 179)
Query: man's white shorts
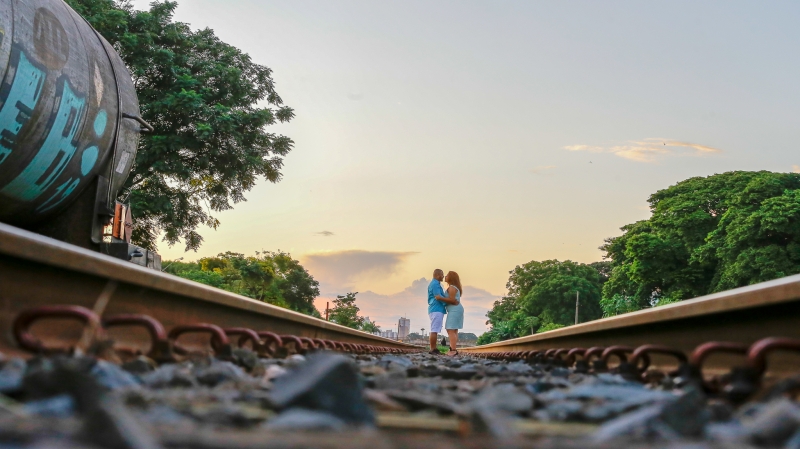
(436, 321)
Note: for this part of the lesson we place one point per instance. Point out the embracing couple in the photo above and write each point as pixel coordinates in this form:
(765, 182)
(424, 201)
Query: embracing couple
(440, 304)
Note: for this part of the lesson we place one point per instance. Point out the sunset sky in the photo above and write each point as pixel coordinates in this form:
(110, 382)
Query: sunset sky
(476, 136)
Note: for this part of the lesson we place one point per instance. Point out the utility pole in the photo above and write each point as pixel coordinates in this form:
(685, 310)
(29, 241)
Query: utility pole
(577, 305)
(327, 309)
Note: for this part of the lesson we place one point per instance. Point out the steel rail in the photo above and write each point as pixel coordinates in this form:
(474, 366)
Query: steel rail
(38, 271)
(742, 315)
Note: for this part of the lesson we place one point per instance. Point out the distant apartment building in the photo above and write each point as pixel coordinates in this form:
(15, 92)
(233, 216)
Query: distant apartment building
(403, 328)
(389, 334)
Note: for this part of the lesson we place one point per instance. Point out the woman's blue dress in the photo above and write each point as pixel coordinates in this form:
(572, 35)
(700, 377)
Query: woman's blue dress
(455, 313)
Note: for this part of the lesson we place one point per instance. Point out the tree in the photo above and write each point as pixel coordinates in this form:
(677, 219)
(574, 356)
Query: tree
(202, 96)
(370, 327)
(272, 277)
(706, 235)
(541, 297)
(345, 311)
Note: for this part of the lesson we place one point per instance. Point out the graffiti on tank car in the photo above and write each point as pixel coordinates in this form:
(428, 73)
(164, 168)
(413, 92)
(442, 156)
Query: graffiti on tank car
(64, 133)
(18, 98)
(57, 150)
(50, 39)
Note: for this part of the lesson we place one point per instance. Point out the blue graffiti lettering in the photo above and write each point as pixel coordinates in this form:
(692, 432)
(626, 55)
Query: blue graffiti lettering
(57, 150)
(100, 123)
(62, 192)
(88, 158)
(19, 104)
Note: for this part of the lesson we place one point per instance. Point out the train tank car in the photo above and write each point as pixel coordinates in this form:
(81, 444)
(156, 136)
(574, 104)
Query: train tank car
(69, 128)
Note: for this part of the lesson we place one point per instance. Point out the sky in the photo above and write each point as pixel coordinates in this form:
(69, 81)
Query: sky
(477, 136)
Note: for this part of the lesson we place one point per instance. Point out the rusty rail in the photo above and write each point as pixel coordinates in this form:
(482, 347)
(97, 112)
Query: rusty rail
(741, 317)
(39, 271)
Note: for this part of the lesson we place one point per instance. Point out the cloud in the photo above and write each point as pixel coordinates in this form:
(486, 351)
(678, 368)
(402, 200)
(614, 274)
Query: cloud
(338, 270)
(796, 168)
(584, 148)
(542, 169)
(325, 233)
(412, 303)
(650, 149)
(355, 97)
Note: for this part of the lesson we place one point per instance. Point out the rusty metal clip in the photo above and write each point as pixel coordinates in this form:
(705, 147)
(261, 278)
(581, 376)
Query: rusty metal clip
(642, 354)
(26, 318)
(245, 335)
(694, 369)
(219, 341)
(296, 344)
(160, 345)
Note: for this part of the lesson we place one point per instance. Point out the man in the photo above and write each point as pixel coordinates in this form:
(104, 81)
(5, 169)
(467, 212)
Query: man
(436, 309)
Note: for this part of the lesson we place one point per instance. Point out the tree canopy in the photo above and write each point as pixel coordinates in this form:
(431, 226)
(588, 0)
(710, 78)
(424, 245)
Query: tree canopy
(345, 311)
(706, 234)
(541, 297)
(272, 277)
(210, 105)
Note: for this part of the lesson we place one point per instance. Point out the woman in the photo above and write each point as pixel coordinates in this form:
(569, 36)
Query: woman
(455, 311)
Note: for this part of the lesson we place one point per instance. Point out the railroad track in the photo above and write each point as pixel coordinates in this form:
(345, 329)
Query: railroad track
(43, 281)
(39, 271)
(743, 316)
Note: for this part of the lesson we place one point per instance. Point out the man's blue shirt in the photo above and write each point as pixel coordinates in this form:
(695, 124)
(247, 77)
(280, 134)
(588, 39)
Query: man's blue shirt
(434, 305)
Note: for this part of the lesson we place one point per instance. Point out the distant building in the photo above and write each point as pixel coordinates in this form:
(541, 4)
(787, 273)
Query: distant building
(389, 334)
(403, 328)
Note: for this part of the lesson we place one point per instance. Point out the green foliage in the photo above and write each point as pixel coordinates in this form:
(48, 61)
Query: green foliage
(549, 327)
(210, 105)
(706, 235)
(370, 327)
(345, 311)
(414, 336)
(272, 277)
(541, 296)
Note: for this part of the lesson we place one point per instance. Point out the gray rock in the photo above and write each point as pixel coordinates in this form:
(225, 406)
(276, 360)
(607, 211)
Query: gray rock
(140, 365)
(560, 411)
(295, 360)
(170, 376)
(219, 372)
(393, 361)
(112, 376)
(688, 414)
(504, 397)
(682, 416)
(632, 394)
(108, 423)
(60, 406)
(328, 383)
(11, 375)
(303, 419)
(775, 423)
(642, 424)
(727, 432)
(793, 442)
